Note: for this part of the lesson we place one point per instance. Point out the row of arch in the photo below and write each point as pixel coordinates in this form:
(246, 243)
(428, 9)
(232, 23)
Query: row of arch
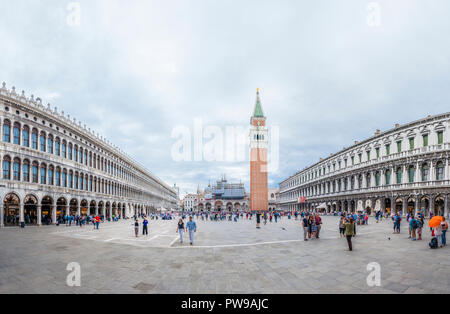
(39, 172)
(220, 205)
(34, 211)
(428, 204)
(40, 140)
(376, 178)
(32, 138)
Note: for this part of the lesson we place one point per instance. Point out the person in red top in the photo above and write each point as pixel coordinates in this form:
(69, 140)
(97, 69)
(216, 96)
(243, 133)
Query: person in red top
(97, 221)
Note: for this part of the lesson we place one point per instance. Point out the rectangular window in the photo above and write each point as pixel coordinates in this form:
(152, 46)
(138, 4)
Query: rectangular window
(411, 143)
(64, 179)
(360, 158)
(425, 140)
(388, 149)
(377, 151)
(368, 155)
(353, 160)
(399, 146)
(440, 136)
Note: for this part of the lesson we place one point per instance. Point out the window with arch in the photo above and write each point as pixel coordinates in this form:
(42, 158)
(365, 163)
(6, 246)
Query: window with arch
(399, 175)
(411, 174)
(43, 174)
(75, 152)
(75, 181)
(368, 177)
(57, 146)
(388, 177)
(16, 169)
(377, 178)
(50, 144)
(16, 133)
(42, 141)
(6, 168)
(69, 151)
(81, 156)
(34, 172)
(6, 131)
(71, 179)
(34, 139)
(425, 172)
(440, 137)
(440, 171)
(26, 136)
(64, 149)
(50, 175)
(58, 176)
(425, 140)
(64, 178)
(26, 170)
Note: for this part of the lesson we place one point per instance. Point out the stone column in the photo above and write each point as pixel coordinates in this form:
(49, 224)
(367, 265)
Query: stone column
(430, 174)
(39, 215)
(382, 205)
(393, 176)
(404, 206)
(383, 177)
(96, 209)
(405, 177)
(2, 217)
(417, 206)
(445, 207)
(431, 209)
(67, 209)
(79, 210)
(53, 209)
(446, 176)
(417, 174)
(110, 212)
(364, 181)
(21, 213)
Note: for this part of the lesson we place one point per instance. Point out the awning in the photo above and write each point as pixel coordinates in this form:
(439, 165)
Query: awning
(322, 206)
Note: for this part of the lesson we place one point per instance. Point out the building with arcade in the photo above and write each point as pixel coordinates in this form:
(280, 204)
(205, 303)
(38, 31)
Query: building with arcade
(53, 166)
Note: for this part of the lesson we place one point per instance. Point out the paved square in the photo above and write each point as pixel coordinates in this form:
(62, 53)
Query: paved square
(228, 257)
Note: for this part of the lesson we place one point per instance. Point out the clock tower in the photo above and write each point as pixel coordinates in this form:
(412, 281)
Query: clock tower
(259, 192)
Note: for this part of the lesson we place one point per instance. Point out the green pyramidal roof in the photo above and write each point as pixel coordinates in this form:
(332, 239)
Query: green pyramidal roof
(258, 112)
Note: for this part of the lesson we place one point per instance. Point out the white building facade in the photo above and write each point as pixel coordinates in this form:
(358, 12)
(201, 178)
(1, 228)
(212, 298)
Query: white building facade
(404, 169)
(53, 166)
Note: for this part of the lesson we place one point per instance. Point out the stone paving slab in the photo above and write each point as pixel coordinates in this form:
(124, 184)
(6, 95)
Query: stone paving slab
(227, 257)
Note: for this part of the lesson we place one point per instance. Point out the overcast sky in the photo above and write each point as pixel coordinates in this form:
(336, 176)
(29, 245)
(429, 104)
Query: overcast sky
(136, 70)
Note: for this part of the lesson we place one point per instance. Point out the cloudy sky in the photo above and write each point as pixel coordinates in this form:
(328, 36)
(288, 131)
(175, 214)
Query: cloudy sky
(330, 72)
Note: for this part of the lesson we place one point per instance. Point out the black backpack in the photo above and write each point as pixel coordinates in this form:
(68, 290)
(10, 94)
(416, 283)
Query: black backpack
(434, 243)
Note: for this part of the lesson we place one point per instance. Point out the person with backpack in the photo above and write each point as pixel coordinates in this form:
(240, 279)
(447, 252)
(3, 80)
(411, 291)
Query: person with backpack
(349, 233)
(305, 225)
(412, 228)
(144, 226)
(318, 223)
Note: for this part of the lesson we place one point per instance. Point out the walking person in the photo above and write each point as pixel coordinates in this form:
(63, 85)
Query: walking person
(144, 226)
(305, 228)
(136, 227)
(349, 233)
(191, 227)
(258, 220)
(342, 227)
(444, 226)
(180, 229)
(97, 221)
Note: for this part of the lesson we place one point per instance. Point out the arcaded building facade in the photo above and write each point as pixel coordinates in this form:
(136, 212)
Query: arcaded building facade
(53, 166)
(405, 169)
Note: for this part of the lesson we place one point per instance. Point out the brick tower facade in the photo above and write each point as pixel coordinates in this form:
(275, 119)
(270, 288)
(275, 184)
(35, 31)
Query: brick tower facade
(259, 192)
